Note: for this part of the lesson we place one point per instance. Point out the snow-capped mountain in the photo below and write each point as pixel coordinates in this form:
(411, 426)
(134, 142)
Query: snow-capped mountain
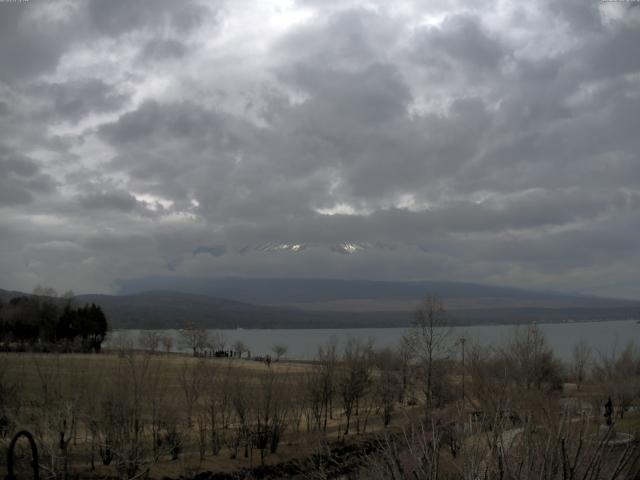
(343, 248)
(348, 248)
(280, 247)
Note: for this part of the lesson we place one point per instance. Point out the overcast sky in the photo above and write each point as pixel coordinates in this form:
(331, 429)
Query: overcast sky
(487, 141)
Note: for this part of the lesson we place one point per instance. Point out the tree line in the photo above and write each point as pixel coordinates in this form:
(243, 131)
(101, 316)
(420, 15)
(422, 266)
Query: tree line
(44, 322)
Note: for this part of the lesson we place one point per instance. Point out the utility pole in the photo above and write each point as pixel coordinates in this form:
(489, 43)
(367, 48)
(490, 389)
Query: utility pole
(462, 342)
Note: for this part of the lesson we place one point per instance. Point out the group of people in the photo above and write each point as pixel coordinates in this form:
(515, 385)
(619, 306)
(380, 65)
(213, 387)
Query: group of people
(222, 354)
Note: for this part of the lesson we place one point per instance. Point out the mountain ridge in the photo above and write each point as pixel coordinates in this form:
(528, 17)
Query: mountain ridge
(278, 291)
(466, 304)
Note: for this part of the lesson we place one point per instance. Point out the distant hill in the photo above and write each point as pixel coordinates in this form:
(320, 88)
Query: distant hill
(316, 292)
(297, 303)
(6, 295)
(170, 309)
(296, 290)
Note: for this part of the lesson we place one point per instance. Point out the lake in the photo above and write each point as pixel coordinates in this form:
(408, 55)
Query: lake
(302, 344)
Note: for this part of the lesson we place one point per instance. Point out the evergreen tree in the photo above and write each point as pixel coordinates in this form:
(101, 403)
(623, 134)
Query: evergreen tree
(41, 320)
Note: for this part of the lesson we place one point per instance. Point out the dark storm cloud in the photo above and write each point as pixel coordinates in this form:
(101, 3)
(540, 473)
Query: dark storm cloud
(116, 17)
(581, 248)
(21, 178)
(354, 37)
(583, 17)
(182, 150)
(154, 122)
(74, 100)
(162, 49)
(29, 47)
(215, 250)
(459, 44)
(34, 36)
(123, 201)
(375, 94)
(481, 142)
(528, 214)
(611, 57)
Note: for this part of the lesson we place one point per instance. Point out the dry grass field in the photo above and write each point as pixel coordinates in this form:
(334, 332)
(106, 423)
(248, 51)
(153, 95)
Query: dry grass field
(29, 370)
(170, 415)
(130, 414)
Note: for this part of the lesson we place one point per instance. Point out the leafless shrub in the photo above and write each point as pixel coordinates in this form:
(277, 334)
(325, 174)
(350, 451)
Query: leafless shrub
(121, 415)
(10, 391)
(619, 375)
(565, 449)
(56, 413)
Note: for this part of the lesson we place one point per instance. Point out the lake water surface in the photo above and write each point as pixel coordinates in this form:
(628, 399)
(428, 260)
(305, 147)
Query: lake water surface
(303, 344)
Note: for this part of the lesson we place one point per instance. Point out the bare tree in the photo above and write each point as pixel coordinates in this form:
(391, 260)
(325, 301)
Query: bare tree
(314, 398)
(121, 417)
(149, 340)
(157, 404)
(121, 341)
(320, 387)
(194, 338)
(387, 383)
(167, 343)
(405, 355)
(57, 416)
(270, 412)
(327, 365)
(192, 378)
(239, 347)
(619, 374)
(217, 402)
(298, 402)
(242, 403)
(355, 378)
(280, 350)
(217, 341)
(429, 339)
(532, 361)
(581, 359)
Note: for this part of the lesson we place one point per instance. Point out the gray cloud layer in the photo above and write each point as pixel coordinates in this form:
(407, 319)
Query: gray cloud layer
(472, 141)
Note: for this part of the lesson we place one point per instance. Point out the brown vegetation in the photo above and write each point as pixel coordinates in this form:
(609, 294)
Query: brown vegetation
(138, 415)
(417, 411)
